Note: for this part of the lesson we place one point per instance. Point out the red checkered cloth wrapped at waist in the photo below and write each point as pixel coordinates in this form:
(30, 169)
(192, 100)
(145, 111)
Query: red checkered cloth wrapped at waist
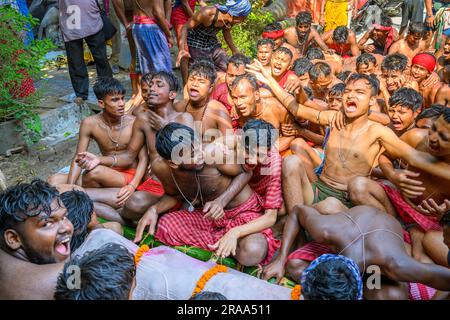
(407, 213)
(191, 228)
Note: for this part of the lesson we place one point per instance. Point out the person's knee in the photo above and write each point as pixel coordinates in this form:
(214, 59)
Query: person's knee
(291, 164)
(252, 251)
(295, 268)
(358, 188)
(135, 206)
(298, 145)
(93, 175)
(329, 206)
(431, 238)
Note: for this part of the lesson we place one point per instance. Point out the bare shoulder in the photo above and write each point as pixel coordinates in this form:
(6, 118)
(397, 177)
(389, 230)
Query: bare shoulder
(184, 118)
(206, 14)
(180, 105)
(217, 106)
(414, 136)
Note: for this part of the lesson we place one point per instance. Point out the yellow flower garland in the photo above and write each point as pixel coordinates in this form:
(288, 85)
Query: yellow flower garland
(296, 292)
(139, 253)
(201, 283)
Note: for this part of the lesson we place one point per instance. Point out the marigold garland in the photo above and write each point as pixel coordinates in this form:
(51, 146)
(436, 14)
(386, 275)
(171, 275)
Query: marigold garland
(296, 292)
(201, 283)
(139, 253)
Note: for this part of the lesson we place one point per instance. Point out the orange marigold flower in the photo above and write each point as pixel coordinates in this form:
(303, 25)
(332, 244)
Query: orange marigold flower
(201, 283)
(139, 253)
(296, 292)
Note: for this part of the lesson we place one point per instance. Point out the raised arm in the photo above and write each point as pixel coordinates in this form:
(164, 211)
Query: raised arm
(354, 45)
(229, 40)
(82, 146)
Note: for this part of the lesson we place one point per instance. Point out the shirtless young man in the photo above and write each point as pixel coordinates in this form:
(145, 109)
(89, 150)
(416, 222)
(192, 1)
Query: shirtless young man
(350, 152)
(265, 48)
(367, 63)
(419, 197)
(422, 68)
(111, 130)
(302, 36)
(33, 243)
(275, 32)
(159, 90)
(235, 67)
(368, 237)
(382, 35)
(404, 106)
(280, 67)
(237, 229)
(211, 117)
(250, 105)
(343, 41)
(412, 44)
(443, 94)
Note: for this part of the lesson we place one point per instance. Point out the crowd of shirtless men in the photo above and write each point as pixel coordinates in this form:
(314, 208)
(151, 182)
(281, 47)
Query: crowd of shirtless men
(321, 145)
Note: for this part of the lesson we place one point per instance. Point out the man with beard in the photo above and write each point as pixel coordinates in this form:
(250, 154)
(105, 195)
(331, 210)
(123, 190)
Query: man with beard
(236, 67)
(382, 36)
(420, 203)
(250, 105)
(34, 240)
(237, 229)
(159, 91)
(302, 36)
(422, 68)
(412, 44)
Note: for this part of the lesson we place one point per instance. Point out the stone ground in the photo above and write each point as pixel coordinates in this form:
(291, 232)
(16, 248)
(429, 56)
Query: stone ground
(23, 167)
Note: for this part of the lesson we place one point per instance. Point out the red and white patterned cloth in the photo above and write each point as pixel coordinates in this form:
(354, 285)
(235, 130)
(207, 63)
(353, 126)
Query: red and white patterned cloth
(266, 182)
(418, 291)
(408, 214)
(192, 229)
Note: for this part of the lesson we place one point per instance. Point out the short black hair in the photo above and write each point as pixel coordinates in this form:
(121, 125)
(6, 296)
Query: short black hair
(171, 136)
(315, 54)
(337, 89)
(319, 69)
(385, 20)
(343, 76)
(395, 62)
(25, 200)
(372, 80)
(274, 26)
(105, 274)
(302, 66)
(330, 280)
(204, 68)
(265, 41)
(340, 34)
(283, 50)
(303, 17)
(107, 86)
(239, 59)
(309, 93)
(406, 97)
(246, 76)
(169, 77)
(446, 114)
(417, 28)
(434, 111)
(79, 211)
(259, 132)
(366, 59)
(208, 295)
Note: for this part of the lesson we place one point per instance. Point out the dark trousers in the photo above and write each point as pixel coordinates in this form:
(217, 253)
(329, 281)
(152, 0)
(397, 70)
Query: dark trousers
(77, 67)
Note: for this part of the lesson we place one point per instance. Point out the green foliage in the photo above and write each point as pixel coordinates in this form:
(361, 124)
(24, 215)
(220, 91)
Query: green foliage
(247, 34)
(16, 64)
